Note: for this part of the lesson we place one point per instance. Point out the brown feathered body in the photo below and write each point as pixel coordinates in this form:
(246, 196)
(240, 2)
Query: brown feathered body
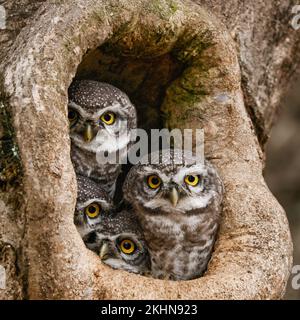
(179, 218)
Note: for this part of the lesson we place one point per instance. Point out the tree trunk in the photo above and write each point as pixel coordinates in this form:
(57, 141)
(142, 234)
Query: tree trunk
(221, 66)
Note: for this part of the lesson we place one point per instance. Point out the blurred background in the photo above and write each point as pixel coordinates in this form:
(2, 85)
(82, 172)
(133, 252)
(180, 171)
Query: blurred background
(282, 171)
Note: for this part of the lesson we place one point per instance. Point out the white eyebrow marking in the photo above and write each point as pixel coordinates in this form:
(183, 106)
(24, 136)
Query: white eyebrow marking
(116, 107)
(151, 171)
(196, 169)
(81, 205)
(80, 110)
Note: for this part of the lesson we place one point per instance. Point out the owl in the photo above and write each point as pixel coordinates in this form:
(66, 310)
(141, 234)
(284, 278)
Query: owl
(178, 202)
(101, 120)
(120, 243)
(92, 206)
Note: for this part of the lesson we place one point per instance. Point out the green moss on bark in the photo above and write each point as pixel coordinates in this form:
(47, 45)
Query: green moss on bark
(165, 9)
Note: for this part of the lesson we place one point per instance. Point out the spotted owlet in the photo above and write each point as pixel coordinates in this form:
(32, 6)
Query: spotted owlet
(119, 242)
(101, 118)
(178, 202)
(92, 206)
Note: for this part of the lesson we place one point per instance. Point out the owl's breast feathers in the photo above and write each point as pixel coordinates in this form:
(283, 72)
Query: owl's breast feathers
(180, 250)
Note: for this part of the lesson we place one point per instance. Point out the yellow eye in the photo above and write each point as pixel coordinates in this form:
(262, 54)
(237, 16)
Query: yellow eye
(154, 181)
(191, 180)
(108, 118)
(72, 116)
(127, 246)
(92, 210)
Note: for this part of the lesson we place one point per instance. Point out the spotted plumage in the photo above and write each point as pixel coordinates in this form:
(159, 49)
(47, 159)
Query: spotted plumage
(178, 202)
(92, 206)
(119, 242)
(101, 118)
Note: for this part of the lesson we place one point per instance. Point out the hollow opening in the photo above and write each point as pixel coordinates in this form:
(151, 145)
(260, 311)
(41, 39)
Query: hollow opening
(144, 79)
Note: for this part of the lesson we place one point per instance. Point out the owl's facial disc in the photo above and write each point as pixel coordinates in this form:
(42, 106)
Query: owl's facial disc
(90, 214)
(123, 252)
(104, 130)
(176, 190)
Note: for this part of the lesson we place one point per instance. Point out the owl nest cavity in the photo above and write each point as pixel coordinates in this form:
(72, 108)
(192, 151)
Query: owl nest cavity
(198, 86)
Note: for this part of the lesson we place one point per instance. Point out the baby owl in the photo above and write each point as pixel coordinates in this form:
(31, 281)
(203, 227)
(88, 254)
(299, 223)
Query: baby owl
(178, 202)
(119, 242)
(93, 204)
(101, 117)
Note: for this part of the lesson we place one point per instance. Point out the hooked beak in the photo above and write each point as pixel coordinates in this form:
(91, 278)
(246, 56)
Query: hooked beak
(88, 133)
(104, 251)
(174, 197)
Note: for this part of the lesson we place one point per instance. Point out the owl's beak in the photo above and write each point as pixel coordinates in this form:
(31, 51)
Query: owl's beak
(88, 133)
(174, 197)
(104, 251)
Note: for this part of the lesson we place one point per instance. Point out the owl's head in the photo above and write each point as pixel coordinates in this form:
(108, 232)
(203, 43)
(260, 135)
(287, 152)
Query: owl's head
(120, 243)
(176, 184)
(92, 206)
(100, 116)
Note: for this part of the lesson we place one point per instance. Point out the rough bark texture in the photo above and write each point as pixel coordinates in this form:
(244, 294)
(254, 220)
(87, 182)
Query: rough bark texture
(199, 58)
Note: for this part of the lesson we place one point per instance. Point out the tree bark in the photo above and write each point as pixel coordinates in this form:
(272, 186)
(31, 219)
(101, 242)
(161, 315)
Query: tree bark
(221, 66)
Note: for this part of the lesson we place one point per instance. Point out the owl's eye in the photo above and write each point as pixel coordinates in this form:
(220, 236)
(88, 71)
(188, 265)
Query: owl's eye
(154, 181)
(72, 116)
(127, 246)
(92, 210)
(108, 118)
(192, 180)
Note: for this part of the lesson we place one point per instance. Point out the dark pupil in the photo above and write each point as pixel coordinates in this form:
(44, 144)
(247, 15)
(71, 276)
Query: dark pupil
(92, 209)
(71, 115)
(127, 245)
(155, 181)
(191, 178)
(107, 117)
